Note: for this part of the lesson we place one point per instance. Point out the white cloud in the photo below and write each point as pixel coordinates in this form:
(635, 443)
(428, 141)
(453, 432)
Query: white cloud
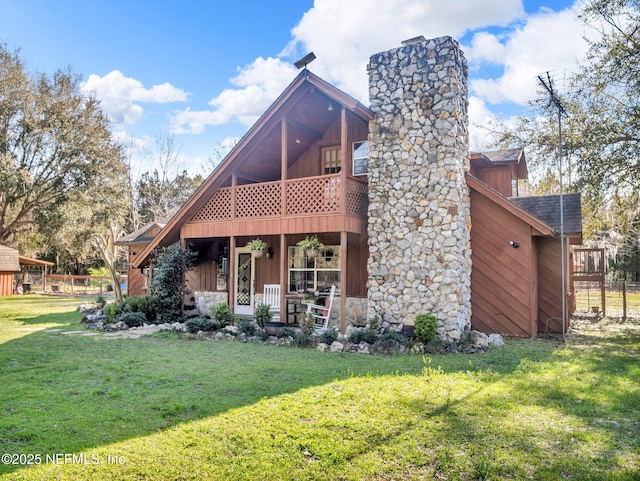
(343, 38)
(547, 41)
(118, 95)
(259, 84)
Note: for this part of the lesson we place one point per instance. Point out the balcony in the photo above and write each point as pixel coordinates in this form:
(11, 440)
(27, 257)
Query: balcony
(316, 197)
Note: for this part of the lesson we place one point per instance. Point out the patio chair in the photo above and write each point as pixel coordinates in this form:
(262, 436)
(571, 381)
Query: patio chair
(272, 297)
(322, 314)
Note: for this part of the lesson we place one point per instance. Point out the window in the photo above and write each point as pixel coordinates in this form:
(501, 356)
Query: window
(360, 157)
(331, 160)
(514, 187)
(314, 273)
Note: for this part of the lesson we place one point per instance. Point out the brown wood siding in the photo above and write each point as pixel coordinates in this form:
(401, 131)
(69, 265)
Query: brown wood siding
(273, 226)
(203, 276)
(357, 253)
(135, 283)
(501, 277)
(309, 163)
(6, 283)
(135, 279)
(550, 285)
(499, 178)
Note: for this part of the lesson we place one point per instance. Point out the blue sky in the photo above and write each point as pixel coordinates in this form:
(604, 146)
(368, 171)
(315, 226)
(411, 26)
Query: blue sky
(203, 71)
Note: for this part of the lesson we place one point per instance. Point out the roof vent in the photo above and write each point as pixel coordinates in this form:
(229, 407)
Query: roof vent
(413, 40)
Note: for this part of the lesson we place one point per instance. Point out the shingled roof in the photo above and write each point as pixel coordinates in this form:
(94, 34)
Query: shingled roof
(547, 209)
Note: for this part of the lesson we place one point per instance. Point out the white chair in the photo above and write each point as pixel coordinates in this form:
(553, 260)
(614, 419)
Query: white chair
(321, 314)
(272, 297)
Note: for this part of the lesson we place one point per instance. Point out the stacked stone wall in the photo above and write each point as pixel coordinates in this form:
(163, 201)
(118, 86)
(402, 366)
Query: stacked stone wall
(419, 212)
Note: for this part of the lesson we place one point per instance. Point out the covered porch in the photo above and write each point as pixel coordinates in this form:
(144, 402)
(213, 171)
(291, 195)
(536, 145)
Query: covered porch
(229, 271)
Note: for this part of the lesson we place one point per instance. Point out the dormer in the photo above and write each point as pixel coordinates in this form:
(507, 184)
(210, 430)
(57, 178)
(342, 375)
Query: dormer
(500, 169)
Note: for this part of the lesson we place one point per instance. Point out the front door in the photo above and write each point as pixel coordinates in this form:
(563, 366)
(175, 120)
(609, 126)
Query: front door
(245, 270)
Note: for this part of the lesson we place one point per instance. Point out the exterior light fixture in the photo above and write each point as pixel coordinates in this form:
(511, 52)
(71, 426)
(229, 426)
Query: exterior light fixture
(514, 244)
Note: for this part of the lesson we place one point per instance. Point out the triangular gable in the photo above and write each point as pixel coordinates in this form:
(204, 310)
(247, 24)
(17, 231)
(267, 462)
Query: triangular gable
(539, 226)
(143, 235)
(305, 82)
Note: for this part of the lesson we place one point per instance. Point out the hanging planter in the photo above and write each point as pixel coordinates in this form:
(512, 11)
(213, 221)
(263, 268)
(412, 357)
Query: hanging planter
(257, 246)
(311, 245)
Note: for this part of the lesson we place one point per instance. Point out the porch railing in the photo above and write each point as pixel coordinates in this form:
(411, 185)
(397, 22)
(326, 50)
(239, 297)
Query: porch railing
(310, 195)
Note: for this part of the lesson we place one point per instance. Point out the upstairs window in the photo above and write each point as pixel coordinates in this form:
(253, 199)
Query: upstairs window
(360, 157)
(331, 160)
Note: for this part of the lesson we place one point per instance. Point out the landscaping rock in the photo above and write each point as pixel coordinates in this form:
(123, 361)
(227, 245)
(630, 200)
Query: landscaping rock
(363, 348)
(322, 347)
(496, 340)
(336, 347)
(478, 338)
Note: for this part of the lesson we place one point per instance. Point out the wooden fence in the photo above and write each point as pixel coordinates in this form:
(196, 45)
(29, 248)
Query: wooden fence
(94, 285)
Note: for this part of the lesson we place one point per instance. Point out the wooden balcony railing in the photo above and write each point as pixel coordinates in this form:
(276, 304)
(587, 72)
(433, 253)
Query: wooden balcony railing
(310, 195)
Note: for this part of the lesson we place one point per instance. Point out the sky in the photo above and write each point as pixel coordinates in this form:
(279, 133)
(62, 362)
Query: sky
(202, 72)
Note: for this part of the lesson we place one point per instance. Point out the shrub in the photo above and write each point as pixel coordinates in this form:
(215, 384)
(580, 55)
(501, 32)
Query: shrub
(132, 319)
(307, 324)
(288, 331)
(396, 336)
(147, 305)
(167, 285)
(112, 310)
(363, 335)
(425, 329)
(329, 336)
(222, 314)
(247, 327)
(261, 314)
(199, 324)
(374, 323)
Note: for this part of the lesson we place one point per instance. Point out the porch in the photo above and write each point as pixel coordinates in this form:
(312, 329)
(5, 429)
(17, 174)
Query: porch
(228, 271)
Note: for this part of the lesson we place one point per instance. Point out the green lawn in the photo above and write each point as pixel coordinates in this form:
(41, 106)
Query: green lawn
(162, 407)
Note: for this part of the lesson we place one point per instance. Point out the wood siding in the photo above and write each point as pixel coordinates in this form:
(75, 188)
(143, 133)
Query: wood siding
(135, 283)
(503, 279)
(267, 271)
(6, 283)
(135, 278)
(550, 289)
(498, 178)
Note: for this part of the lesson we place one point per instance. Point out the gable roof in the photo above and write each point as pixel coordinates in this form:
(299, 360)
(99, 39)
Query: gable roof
(539, 225)
(547, 208)
(496, 158)
(139, 235)
(306, 93)
(9, 259)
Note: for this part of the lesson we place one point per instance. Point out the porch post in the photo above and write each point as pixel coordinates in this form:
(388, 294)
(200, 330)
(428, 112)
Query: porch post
(346, 166)
(283, 170)
(231, 281)
(284, 256)
(343, 282)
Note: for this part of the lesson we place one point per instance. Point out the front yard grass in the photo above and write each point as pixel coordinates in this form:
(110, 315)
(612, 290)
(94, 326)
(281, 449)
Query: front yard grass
(161, 407)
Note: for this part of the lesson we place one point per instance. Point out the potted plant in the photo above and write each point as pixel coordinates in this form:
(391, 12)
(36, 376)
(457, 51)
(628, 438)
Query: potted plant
(262, 315)
(258, 246)
(311, 245)
(308, 298)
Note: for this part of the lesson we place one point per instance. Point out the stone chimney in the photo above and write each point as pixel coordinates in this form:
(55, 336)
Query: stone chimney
(419, 214)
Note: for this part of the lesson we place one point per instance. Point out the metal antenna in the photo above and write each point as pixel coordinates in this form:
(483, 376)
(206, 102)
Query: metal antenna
(561, 111)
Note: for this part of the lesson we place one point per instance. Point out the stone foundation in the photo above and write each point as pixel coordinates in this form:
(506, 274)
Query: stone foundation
(419, 211)
(205, 299)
